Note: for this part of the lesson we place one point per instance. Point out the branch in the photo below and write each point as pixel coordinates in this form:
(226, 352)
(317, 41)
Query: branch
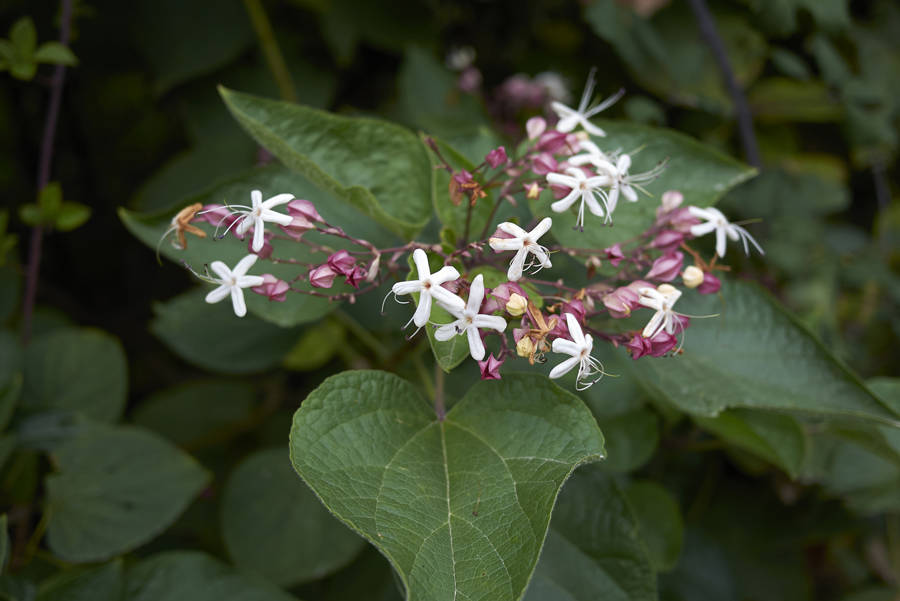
(744, 117)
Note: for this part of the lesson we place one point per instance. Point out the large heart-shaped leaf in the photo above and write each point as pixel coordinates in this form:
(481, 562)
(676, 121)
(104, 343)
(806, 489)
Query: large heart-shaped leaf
(700, 172)
(594, 549)
(379, 167)
(754, 354)
(459, 506)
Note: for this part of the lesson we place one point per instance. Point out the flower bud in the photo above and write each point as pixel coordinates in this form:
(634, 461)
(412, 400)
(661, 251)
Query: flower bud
(273, 288)
(532, 190)
(614, 254)
(638, 346)
(692, 276)
(667, 240)
(667, 267)
(535, 127)
(298, 226)
(543, 164)
(218, 216)
(303, 208)
(496, 157)
(490, 368)
(666, 289)
(524, 347)
(710, 285)
(516, 305)
(671, 200)
(661, 343)
(342, 262)
(621, 301)
(321, 276)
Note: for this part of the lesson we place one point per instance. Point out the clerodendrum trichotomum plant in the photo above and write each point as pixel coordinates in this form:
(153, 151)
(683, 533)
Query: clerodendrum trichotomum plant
(588, 242)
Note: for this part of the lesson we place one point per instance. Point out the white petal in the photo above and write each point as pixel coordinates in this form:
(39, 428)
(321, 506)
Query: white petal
(653, 325)
(445, 274)
(540, 229)
(568, 123)
(447, 299)
(502, 244)
(512, 229)
(476, 346)
(567, 347)
(558, 179)
(406, 287)
(720, 242)
(574, 329)
(275, 217)
(561, 110)
(221, 269)
(420, 259)
(541, 256)
(476, 294)
(259, 236)
(592, 129)
(256, 198)
(623, 164)
(489, 322)
(702, 213)
(701, 229)
(243, 225)
(423, 311)
(514, 273)
(218, 294)
(563, 204)
(732, 231)
(237, 301)
(564, 367)
(244, 265)
(612, 199)
(278, 199)
(629, 193)
(593, 205)
(249, 281)
(446, 332)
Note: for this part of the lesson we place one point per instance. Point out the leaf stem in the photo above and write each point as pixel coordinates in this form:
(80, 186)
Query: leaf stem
(43, 178)
(439, 407)
(274, 59)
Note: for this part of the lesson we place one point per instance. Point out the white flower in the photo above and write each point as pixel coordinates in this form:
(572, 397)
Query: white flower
(233, 282)
(429, 286)
(592, 155)
(579, 351)
(523, 243)
(261, 212)
(715, 220)
(661, 300)
(625, 183)
(468, 320)
(584, 187)
(570, 118)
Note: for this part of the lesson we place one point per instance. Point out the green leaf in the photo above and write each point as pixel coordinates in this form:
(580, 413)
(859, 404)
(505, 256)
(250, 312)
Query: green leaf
(8, 444)
(700, 172)
(194, 576)
(378, 167)
(776, 438)
(213, 338)
(101, 583)
(593, 550)
(55, 53)
(316, 346)
(784, 100)
(631, 439)
(71, 215)
(10, 392)
(755, 355)
(115, 489)
(461, 506)
(659, 518)
(76, 369)
(23, 36)
(272, 524)
(196, 412)
(50, 201)
(30, 214)
(183, 39)
(662, 54)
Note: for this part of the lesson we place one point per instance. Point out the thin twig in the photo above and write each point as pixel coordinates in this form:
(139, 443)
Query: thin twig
(43, 178)
(742, 108)
(263, 28)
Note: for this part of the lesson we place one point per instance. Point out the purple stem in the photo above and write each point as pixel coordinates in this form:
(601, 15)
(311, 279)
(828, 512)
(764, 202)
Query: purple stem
(43, 178)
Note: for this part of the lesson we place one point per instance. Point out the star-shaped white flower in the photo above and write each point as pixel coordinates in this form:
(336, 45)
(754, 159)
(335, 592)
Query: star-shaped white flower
(261, 212)
(579, 351)
(523, 243)
(590, 155)
(584, 187)
(715, 220)
(233, 281)
(469, 320)
(661, 300)
(429, 286)
(570, 118)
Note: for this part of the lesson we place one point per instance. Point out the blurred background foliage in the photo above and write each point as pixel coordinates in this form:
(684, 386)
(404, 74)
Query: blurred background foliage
(142, 126)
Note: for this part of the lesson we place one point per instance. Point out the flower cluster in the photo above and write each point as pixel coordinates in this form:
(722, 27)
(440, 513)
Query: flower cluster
(545, 316)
